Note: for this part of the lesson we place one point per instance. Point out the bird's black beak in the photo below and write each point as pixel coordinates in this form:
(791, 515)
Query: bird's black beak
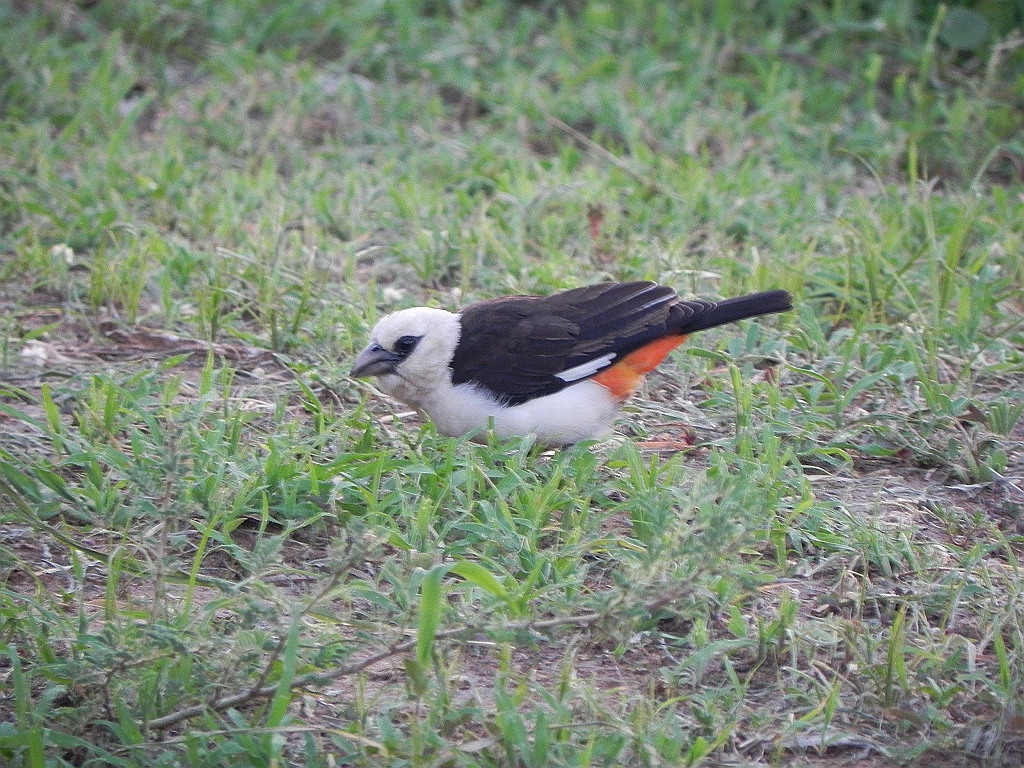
(375, 361)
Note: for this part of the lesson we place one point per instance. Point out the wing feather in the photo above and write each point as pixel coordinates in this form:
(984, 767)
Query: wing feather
(517, 346)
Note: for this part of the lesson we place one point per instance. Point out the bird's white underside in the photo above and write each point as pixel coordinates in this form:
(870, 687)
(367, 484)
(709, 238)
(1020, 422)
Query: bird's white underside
(582, 411)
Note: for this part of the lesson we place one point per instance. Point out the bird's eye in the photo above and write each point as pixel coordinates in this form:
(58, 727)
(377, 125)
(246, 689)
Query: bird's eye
(406, 344)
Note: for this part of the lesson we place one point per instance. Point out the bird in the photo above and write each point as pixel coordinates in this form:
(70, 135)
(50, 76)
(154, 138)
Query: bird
(557, 367)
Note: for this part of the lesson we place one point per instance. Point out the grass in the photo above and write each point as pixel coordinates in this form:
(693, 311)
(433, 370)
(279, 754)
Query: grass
(801, 546)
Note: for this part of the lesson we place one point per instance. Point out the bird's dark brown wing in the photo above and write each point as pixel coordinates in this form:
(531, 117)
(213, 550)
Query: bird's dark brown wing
(516, 347)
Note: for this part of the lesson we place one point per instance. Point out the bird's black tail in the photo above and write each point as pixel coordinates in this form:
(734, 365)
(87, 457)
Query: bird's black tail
(701, 315)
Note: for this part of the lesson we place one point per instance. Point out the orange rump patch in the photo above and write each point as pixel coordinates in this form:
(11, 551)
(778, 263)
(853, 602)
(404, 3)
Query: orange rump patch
(626, 375)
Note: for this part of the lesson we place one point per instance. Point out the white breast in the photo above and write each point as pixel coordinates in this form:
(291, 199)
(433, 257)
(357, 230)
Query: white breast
(582, 411)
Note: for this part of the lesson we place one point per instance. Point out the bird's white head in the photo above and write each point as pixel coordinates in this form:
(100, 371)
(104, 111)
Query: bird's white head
(409, 353)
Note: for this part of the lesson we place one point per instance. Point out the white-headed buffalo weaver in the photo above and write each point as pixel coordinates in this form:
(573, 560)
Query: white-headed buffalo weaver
(557, 367)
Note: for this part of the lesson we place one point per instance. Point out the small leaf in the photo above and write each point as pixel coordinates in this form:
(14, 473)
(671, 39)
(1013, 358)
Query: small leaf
(431, 597)
(24, 485)
(481, 577)
(964, 29)
(277, 716)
